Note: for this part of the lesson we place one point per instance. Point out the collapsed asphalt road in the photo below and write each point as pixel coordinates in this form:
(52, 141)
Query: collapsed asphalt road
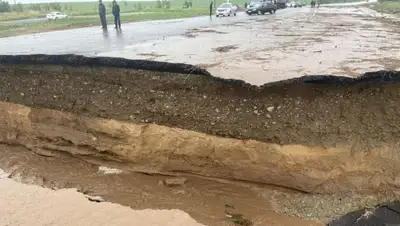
(337, 41)
(91, 41)
(344, 41)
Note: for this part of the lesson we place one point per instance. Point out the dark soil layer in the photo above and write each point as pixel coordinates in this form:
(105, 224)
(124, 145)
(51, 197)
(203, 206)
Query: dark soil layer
(324, 111)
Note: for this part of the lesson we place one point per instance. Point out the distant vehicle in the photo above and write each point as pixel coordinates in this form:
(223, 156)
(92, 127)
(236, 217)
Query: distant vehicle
(56, 16)
(281, 4)
(226, 9)
(261, 7)
(299, 3)
(290, 4)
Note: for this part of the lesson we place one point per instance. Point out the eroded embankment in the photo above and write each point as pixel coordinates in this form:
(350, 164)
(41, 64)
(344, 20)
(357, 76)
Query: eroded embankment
(315, 134)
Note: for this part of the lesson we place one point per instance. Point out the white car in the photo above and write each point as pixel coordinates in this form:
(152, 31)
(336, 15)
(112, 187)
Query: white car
(226, 9)
(290, 4)
(56, 16)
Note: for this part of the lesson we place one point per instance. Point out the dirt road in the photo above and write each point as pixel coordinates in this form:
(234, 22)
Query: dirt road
(339, 41)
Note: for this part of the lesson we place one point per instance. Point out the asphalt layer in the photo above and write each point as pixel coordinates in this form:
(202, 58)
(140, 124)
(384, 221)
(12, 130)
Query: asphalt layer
(93, 40)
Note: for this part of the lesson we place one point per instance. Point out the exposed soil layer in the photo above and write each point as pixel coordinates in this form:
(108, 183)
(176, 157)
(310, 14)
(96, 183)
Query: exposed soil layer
(320, 134)
(319, 111)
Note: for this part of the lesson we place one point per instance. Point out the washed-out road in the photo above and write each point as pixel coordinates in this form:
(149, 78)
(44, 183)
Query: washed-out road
(345, 41)
(258, 49)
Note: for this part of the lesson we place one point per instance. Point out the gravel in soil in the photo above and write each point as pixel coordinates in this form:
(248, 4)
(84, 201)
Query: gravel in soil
(335, 113)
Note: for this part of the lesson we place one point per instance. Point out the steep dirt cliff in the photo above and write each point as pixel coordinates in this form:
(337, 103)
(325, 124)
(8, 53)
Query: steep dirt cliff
(319, 134)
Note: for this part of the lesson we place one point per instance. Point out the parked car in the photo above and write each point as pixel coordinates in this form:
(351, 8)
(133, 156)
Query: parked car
(299, 3)
(261, 7)
(290, 4)
(56, 16)
(226, 9)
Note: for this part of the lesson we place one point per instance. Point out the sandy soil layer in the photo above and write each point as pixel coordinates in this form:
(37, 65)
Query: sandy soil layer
(340, 41)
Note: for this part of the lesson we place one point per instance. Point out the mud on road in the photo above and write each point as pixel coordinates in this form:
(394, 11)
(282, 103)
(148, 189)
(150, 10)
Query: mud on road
(339, 41)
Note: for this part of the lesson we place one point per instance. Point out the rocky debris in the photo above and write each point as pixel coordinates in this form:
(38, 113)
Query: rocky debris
(173, 182)
(235, 217)
(224, 49)
(95, 198)
(107, 170)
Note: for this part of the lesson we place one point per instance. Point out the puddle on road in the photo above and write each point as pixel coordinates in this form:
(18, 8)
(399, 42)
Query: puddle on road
(297, 46)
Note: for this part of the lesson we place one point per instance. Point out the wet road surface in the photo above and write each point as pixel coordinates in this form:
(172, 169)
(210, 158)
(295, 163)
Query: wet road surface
(90, 41)
(345, 41)
(37, 20)
(294, 42)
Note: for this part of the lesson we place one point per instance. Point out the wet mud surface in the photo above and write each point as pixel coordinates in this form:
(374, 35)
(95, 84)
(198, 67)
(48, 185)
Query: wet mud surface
(203, 199)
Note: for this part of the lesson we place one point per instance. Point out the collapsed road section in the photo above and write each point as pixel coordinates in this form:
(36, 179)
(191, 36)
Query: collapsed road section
(317, 134)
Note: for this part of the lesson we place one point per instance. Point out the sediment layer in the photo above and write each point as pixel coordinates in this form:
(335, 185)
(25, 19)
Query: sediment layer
(316, 134)
(154, 148)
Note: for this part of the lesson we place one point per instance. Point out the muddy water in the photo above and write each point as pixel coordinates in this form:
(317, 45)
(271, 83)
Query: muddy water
(24, 204)
(203, 199)
(340, 41)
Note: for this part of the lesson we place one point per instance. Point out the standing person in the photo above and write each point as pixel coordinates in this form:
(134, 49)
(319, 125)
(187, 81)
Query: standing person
(115, 11)
(211, 8)
(102, 14)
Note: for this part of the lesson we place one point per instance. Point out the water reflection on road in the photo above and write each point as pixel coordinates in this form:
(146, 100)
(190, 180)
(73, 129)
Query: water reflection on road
(89, 41)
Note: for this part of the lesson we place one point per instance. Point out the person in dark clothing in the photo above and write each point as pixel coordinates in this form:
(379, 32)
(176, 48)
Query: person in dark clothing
(115, 11)
(102, 14)
(211, 8)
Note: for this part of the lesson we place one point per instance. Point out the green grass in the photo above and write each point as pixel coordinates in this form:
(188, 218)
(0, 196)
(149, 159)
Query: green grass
(91, 8)
(20, 15)
(19, 29)
(387, 7)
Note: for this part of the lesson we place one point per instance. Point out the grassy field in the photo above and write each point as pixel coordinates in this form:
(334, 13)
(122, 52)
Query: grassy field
(387, 7)
(19, 29)
(91, 8)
